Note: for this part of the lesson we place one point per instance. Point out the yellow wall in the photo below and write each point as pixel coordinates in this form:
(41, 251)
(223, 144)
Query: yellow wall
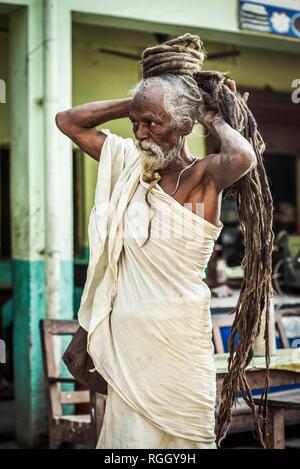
(257, 68)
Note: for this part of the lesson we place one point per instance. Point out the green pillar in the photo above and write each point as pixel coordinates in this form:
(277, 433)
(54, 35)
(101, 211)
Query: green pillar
(30, 109)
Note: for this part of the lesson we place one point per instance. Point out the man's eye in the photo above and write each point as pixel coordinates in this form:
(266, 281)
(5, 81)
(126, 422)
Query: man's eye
(150, 123)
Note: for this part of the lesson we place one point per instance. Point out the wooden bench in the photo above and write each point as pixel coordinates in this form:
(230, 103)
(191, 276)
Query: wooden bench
(278, 406)
(76, 428)
(242, 418)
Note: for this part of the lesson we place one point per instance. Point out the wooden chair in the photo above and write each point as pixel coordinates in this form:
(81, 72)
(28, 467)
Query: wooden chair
(77, 428)
(279, 317)
(220, 321)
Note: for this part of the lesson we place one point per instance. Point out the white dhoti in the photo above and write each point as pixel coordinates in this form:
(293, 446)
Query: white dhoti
(149, 321)
(125, 428)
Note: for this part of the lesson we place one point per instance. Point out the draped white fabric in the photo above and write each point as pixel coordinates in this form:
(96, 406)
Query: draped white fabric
(145, 305)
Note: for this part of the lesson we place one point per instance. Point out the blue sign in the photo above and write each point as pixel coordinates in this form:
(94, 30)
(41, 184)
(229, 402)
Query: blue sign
(271, 16)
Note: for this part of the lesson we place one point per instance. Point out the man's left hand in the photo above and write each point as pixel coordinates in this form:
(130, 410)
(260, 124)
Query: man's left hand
(232, 86)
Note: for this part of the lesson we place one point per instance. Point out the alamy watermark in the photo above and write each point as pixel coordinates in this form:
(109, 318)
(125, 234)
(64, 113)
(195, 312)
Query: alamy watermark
(183, 222)
(296, 92)
(2, 91)
(2, 351)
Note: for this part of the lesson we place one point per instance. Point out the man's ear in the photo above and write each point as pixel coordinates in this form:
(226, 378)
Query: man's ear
(187, 125)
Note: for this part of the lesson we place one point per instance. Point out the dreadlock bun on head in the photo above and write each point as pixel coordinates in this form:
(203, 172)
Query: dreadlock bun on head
(184, 57)
(177, 64)
(181, 56)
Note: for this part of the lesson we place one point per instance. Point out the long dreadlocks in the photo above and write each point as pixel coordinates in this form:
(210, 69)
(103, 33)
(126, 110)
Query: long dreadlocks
(179, 61)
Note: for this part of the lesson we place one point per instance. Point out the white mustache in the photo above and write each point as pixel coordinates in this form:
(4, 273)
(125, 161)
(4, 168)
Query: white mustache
(146, 145)
(154, 155)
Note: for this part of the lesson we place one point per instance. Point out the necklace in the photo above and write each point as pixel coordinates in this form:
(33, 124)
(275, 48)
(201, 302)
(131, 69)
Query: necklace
(182, 171)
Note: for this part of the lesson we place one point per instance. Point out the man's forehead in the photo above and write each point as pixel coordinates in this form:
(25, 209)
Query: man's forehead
(150, 99)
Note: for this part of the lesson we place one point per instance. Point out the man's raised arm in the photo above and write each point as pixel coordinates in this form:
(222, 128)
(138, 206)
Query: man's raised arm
(236, 157)
(79, 123)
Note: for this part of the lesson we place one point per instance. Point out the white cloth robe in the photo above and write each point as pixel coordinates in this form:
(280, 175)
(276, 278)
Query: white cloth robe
(146, 309)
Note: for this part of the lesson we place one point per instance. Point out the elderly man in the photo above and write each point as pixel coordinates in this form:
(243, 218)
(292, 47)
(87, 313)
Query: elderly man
(152, 230)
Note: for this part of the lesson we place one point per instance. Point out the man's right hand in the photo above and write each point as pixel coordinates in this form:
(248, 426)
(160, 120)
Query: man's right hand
(79, 123)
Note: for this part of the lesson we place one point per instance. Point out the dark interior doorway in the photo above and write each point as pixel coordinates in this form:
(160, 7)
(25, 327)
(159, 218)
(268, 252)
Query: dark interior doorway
(281, 170)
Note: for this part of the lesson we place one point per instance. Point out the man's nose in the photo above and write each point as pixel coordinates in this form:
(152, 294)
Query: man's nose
(141, 131)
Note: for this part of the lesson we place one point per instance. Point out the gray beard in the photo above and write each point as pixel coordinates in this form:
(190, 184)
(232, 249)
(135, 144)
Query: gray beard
(154, 158)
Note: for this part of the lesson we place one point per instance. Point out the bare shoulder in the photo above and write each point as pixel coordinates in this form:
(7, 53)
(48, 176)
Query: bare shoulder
(202, 175)
(202, 184)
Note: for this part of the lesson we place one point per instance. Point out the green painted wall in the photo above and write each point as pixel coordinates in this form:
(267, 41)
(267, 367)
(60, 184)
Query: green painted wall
(27, 215)
(216, 20)
(28, 280)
